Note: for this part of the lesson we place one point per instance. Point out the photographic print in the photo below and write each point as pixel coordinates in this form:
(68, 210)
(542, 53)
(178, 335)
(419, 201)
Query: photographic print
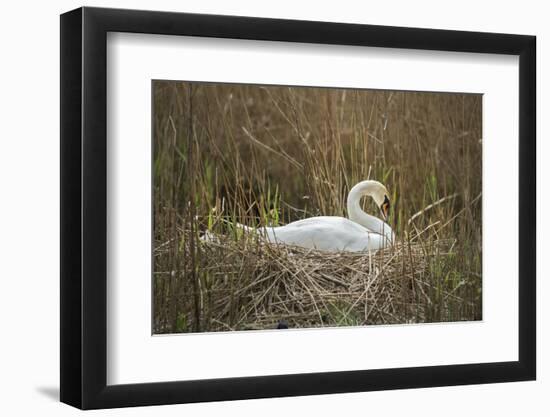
(289, 207)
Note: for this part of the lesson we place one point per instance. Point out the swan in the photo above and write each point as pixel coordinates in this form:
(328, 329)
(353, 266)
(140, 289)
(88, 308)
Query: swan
(359, 232)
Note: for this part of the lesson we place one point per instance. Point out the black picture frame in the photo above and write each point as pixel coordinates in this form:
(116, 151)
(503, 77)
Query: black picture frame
(84, 207)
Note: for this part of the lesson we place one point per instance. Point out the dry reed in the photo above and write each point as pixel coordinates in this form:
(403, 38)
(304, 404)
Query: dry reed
(270, 155)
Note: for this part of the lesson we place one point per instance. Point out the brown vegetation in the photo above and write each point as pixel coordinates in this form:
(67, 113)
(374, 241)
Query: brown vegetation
(263, 155)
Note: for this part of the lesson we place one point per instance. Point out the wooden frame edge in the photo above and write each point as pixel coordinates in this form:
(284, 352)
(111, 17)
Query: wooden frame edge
(83, 208)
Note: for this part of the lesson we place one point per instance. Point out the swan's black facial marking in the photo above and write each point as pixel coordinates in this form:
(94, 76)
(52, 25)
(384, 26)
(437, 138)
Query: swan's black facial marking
(385, 207)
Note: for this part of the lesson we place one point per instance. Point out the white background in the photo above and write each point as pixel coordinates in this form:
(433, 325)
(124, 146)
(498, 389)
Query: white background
(133, 60)
(29, 225)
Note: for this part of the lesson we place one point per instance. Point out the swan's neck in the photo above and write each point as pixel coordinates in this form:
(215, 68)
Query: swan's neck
(357, 215)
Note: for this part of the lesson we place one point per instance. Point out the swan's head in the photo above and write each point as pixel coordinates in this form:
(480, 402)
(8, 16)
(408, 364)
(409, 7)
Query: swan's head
(376, 190)
(381, 197)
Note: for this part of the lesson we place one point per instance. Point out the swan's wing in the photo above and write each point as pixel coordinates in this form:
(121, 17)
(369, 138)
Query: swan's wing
(326, 233)
(327, 221)
(336, 221)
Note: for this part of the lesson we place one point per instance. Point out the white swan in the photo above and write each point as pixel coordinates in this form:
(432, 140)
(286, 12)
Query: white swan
(361, 232)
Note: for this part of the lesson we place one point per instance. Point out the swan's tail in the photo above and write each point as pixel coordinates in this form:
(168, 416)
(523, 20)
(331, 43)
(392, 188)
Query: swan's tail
(262, 232)
(244, 227)
(210, 237)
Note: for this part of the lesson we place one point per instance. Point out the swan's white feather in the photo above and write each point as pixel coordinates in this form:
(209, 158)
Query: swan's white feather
(327, 233)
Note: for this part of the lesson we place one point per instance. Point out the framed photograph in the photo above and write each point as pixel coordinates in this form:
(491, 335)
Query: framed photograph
(256, 208)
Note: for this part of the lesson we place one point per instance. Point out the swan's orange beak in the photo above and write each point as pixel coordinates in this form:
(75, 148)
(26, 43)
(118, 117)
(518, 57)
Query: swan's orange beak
(385, 208)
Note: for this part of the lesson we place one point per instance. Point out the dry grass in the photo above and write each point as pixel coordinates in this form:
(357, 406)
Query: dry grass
(271, 155)
(253, 285)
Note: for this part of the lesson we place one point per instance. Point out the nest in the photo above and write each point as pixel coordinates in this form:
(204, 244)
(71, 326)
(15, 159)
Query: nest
(248, 284)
